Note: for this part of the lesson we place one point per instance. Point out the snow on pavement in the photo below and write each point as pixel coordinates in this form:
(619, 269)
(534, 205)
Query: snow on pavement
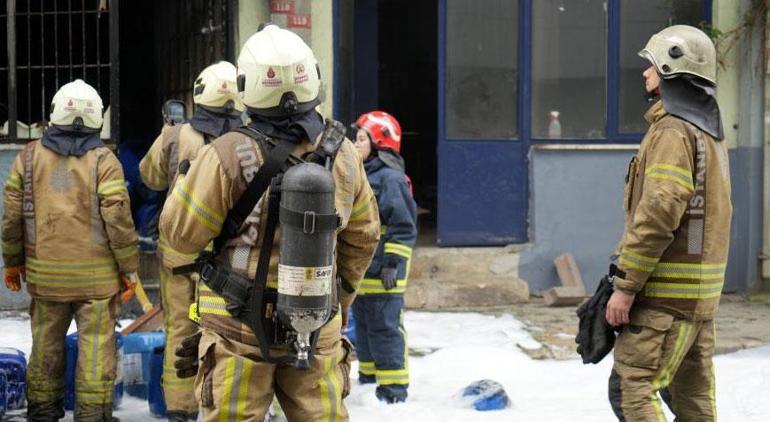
(461, 348)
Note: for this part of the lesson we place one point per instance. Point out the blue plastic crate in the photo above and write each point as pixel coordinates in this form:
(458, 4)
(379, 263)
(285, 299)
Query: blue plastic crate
(3, 393)
(143, 368)
(14, 363)
(69, 375)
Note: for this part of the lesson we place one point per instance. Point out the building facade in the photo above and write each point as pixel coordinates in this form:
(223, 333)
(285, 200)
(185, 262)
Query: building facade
(519, 116)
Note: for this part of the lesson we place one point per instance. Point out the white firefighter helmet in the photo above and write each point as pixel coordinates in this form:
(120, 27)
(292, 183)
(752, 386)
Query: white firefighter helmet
(277, 73)
(77, 106)
(682, 49)
(215, 87)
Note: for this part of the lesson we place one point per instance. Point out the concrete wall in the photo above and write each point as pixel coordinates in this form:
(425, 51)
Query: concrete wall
(9, 300)
(740, 88)
(576, 207)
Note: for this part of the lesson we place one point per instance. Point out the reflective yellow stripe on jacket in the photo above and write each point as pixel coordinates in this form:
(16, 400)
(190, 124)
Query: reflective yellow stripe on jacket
(14, 182)
(672, 173)
(205, 215)
(110, 187)
(71, 273)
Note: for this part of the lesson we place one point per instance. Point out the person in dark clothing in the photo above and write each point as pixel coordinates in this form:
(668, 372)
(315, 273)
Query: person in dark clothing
(378, 310)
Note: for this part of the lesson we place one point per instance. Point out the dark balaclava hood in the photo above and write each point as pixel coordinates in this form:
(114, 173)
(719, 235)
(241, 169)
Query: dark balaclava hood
(68, 142)
(293, 128)
(214, 123)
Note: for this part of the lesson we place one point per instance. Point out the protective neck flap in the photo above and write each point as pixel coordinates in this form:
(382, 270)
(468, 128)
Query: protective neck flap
(68, 143)
(693, 100)
(214, 123)
(392, 159)
(293, 128)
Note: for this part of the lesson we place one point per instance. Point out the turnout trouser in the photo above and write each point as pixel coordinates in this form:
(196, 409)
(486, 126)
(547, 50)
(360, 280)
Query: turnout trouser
(177, 293)
(381, 341)
(96, 363)
(234, 383)
(660, 353)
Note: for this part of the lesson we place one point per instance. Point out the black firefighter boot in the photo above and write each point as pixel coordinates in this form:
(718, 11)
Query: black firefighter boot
(45, 412)
(175, 416)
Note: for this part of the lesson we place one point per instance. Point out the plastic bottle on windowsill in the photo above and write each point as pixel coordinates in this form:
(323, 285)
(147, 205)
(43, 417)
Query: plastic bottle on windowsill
(554, 126)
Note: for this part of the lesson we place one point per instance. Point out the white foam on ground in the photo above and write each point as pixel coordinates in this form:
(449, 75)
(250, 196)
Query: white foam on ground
(470, 347)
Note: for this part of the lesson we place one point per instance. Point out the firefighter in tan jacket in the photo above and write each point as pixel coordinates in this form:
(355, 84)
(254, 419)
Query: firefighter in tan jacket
(218, 110)
(279, 84)
(67, 230)
(674, 248)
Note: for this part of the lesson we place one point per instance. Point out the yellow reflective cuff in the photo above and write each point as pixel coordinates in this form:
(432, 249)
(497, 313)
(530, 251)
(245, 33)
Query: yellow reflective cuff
(125, 253)
(398, 249)
(366, 368)
(374, 286)
(630, 259)
(198, 209)
(13, 182)
(111, 186)
(392, 376)
(167, 249)
(673, 173)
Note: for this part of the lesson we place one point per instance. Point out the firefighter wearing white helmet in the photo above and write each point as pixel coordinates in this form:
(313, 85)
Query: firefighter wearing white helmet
(278, 73)
(217, 111)
(67, 231)
(242, 366)
(673, 252)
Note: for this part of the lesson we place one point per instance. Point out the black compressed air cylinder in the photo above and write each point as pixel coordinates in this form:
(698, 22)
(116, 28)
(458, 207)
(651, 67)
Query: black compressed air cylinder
(306, 262)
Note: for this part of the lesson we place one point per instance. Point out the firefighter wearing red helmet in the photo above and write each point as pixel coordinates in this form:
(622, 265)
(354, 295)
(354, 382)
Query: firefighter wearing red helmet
(381, 338)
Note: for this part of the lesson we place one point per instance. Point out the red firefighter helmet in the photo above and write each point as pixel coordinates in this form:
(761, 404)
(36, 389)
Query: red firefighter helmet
(382, 128)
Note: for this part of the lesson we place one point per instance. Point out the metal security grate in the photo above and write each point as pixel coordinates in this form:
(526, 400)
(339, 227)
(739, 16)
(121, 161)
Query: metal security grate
(192, 35)
(49, 43)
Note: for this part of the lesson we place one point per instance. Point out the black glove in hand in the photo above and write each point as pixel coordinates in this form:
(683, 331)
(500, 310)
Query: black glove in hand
(389, 277)
(186, 362)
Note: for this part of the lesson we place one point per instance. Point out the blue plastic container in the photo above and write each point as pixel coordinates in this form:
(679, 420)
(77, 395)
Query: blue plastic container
(69, 374)
(155, 390)
(138, 349)
(486, 395)
(143, 368)
(3, 393)
(14, 364)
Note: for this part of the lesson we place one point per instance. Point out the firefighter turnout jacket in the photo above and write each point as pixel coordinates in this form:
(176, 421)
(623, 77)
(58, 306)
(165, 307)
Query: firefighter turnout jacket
(68, 219)
(159, 168)
(196, 210)
(398, 216)
(678, 211)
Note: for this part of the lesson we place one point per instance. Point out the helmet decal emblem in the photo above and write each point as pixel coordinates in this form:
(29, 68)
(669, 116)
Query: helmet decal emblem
(270, 73)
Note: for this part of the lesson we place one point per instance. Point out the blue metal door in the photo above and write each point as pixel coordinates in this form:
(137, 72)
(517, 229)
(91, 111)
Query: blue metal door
(482, 152)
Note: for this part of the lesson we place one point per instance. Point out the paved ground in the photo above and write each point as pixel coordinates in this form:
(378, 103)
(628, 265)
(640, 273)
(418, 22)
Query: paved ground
(741, 324)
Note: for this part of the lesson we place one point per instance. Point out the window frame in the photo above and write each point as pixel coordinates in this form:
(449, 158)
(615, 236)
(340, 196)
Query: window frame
(613, 135)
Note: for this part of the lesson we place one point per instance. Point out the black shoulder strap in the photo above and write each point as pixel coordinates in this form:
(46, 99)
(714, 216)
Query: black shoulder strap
(274, 160)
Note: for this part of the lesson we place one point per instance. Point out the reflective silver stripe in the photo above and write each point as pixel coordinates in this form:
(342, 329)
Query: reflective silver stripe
(234, 389)
(240, 258)
(28, 198)
(695, 236)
